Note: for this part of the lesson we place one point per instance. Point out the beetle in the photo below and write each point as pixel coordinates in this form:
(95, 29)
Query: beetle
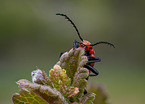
(89, 51)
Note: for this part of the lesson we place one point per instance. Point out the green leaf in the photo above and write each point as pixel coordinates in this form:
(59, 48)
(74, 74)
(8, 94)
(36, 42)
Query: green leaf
(28, 97)
(51, 95)
(88, 98)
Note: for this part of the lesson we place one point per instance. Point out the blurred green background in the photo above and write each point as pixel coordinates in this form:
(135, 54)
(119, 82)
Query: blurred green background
(32, 35)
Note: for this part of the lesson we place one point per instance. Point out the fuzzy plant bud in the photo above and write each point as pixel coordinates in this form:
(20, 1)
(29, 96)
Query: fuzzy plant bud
(37, 76)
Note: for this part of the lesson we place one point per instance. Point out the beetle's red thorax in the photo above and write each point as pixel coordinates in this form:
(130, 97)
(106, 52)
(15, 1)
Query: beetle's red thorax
(88, 47)
(85, 42)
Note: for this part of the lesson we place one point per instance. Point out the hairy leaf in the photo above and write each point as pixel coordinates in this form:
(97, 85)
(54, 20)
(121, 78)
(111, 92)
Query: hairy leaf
(58, 76)
(72, 61)
(62, 82)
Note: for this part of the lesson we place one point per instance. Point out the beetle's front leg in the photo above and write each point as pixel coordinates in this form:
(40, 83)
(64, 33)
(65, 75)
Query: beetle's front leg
(76, 44)
(61, 54)
(85, 92)
(95, 59)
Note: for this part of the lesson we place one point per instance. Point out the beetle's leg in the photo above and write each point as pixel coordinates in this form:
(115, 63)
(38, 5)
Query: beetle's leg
(91, 69)
(93, 59)
(96, 59)
(89, 62)
(76, 44)
(85, 91)
(91, 75)
(61, 54)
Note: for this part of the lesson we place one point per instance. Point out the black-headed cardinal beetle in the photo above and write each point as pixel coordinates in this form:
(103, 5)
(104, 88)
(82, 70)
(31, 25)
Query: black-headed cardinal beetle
(89, 51)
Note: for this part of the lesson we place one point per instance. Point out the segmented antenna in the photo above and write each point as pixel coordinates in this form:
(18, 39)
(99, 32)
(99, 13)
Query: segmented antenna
(102, 42)
(66, 17)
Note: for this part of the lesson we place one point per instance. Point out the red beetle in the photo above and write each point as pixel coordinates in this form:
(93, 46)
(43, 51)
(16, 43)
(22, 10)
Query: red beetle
(89, 51)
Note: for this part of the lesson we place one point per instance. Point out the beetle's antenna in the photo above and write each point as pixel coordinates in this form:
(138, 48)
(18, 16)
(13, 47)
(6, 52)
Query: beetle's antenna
(102, 42)
(66, 17)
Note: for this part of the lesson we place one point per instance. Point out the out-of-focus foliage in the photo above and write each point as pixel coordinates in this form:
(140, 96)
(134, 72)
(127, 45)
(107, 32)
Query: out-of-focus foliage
(101, 95)
(31, 34)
